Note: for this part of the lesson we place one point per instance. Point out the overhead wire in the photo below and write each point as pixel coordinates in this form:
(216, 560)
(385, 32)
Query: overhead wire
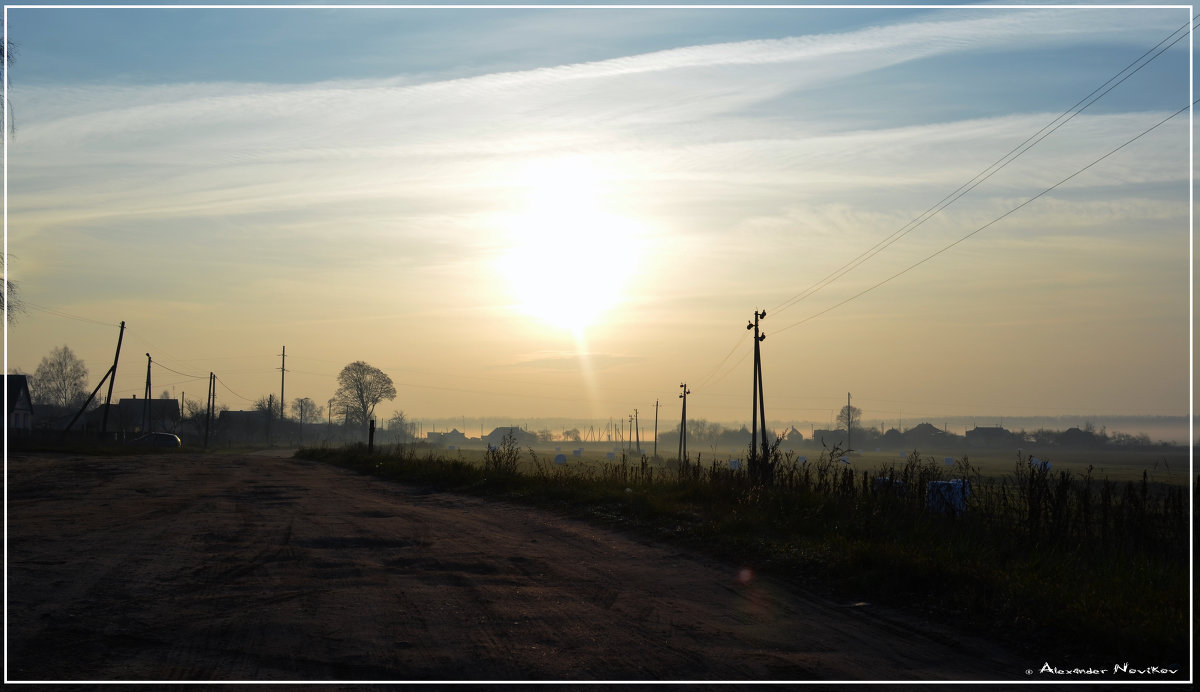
(64, 314)
(729, 355)
(1034, 139)
(1001, 163)
(990, 223)
(184, 374)
(218, 379)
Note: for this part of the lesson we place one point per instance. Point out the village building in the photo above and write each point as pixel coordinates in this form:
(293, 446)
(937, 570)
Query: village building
(522, 438)
(20, 405)
(134, 416)
(454, 438)
(993, 437)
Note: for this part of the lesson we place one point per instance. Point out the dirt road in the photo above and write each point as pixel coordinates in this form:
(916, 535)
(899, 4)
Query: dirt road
(190, 567)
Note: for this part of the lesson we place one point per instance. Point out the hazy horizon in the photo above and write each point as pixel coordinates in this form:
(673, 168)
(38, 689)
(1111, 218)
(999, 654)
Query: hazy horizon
(567, 213)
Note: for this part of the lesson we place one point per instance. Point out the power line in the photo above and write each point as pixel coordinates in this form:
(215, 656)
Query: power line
(184, 374)
(66, 315)
(1032, 141)
(736, 346)
(732, 368)
(218, 379)
(990, 223)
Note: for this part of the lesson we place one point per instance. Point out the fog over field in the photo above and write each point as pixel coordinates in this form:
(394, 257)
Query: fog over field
(1173, 430)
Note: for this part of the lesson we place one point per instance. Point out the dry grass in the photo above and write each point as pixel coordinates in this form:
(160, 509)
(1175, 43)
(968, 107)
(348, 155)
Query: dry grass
(1083, 565)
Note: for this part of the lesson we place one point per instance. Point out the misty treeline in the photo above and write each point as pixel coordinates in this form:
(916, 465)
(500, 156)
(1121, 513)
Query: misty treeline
(715, 438)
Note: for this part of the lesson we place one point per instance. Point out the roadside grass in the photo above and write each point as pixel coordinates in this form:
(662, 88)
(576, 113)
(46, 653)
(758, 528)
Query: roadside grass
(1082, 567)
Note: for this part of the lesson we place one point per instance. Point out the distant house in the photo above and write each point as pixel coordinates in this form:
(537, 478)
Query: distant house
(522, 438)
(991, 437)
(1074, 437)
(924, 434)
(242, 425)
(893, 438)
(452, 438)
(20, 405)
(161, 416)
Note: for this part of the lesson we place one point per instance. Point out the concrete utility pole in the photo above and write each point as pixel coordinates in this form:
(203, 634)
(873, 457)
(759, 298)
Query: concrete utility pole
(112, 378)
(683, 424)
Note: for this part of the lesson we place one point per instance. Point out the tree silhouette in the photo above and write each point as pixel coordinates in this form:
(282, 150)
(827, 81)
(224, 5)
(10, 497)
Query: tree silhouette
(60, 379)
(8, 298)
(360, 387)
(850, 416)
(306, 409)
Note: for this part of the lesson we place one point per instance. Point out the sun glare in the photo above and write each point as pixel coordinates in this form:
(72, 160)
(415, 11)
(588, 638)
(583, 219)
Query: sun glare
(569, 259)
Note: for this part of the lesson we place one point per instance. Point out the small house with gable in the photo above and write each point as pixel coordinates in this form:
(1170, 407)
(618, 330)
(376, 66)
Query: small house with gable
(20, 405)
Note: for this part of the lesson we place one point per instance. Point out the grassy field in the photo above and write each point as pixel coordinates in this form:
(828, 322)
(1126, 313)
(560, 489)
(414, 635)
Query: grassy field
(1164, 466)
(1057, 560)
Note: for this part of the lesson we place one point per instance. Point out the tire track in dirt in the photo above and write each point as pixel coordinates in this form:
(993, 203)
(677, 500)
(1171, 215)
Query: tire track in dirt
(194, 567)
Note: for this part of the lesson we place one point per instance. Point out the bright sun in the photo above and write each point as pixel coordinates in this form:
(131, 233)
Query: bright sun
(569, 259)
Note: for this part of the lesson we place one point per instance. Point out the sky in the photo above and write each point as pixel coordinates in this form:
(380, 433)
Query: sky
(556, 212)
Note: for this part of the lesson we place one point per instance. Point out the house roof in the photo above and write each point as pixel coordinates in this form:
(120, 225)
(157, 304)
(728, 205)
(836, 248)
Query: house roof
(134, 409)
(241, 416)
(18, 387)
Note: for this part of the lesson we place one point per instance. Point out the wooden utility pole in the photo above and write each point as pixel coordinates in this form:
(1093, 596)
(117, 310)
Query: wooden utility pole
(112, 378)
(849, 422)
(683, 424)
(282, 372)
(87, 402)
(211, 398)
(757, 465)
(146, 429)
(637, 432)
(656, 428)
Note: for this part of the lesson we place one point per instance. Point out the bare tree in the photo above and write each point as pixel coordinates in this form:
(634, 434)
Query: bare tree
(360, 388)
(6, 55)
(195, 413)
(850, 416)
(266, 406)
(399, 427)
(306, 409)
(60, 379)
(9, 302)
